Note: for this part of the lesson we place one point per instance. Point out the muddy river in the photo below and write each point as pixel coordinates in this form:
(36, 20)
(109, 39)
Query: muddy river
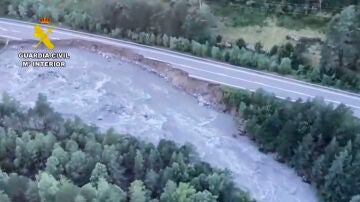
(112, 93)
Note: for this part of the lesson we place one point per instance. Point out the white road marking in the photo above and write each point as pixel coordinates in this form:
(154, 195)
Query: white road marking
(15, 31)
(240, 87)
(192, 58)
(10, 37)
(226, 84)
(218, 66)
(264, 76)
(236, 78)
(219, 82)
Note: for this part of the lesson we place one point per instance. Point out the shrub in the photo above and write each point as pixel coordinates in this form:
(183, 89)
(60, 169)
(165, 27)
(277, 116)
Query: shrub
(285, 66)
(247, 59)
(172, 43)
(205, 49)
(226, 56)
(258, 47)
(274, 66)
(315, 75)
(165, 41)
(286, 50)
(180, 44)
(152, 39)
(274, 50)
(216, 53)
(116, 32)
(263, 62)
(196, 48)
(234, 56)
(158, 40)
(241, 43)
(218, 38)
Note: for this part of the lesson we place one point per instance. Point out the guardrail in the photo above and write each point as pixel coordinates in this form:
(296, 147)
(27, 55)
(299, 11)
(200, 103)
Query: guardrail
(189, 56)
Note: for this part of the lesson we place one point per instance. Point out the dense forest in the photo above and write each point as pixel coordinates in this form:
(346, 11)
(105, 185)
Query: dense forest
(186, 17)
(296, 6)
(46, 158)
(340, 59)
(320, 141)
(187, 26)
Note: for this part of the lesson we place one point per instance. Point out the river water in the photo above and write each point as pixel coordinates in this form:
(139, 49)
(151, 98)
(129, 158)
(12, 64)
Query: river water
(112, 93)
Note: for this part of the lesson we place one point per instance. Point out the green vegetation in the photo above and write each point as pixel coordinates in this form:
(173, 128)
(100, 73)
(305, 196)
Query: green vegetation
(46, 158)
(315, 22)
(292, 7)
(177, 18)
(242, 15)
(238, 16)
(287, 14)
(340, 57)
(321, 142)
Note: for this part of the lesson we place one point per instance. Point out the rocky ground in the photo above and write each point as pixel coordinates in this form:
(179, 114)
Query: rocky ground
(113, 87)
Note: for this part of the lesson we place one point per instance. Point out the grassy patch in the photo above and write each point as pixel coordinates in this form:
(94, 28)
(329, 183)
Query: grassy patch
(269, 35)
(255, 25)
(238, 16)
(313, 22)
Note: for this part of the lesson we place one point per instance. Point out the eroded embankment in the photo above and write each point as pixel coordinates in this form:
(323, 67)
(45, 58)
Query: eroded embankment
(206, 93)
(103, 85)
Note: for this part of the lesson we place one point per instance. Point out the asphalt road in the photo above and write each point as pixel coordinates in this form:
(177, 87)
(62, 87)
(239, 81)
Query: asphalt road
(201, 68)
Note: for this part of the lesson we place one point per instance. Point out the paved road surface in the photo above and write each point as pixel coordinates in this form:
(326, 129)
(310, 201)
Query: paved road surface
(203, 69)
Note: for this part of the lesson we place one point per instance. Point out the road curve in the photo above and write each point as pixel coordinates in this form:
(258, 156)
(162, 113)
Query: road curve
(204, 69)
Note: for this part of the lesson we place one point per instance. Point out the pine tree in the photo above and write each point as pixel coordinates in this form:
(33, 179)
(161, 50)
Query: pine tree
(77, 167)
(139, 165)
(53, 166)
(287, 138)
(323, 162)
(285, 66)
(268, 131)
(48, 187)
(67, 191)
(302, 159)
(336, 188)
(165, 41)
(168, 194)
(234, 56)
(16, 187)
(184, 193)
(340, 53)
(109, 192)
(4, 197)
(155, 161)
(151, 180)
(353, 171)
(88, 192)
(32, 192)
(318, 171)
(204, 196)
(100, 171)
(137, 192)
(355, 198)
